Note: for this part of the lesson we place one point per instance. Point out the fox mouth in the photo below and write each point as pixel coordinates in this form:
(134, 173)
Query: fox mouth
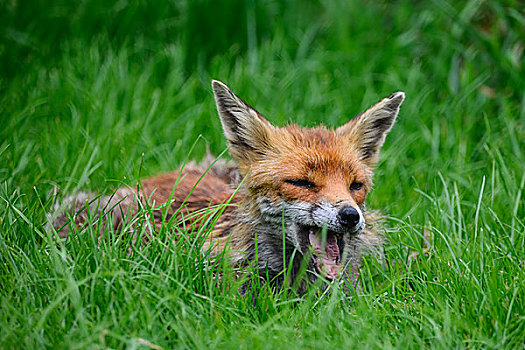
(327, 250)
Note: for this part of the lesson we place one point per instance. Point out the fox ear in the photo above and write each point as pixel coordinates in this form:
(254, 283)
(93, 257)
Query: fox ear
(366, 133)
(246, 130)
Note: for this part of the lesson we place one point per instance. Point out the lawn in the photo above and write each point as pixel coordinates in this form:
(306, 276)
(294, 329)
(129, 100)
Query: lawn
(95, 94)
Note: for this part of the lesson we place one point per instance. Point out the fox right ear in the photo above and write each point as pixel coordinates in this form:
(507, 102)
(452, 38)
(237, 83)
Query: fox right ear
(246, 130)
(366, 133)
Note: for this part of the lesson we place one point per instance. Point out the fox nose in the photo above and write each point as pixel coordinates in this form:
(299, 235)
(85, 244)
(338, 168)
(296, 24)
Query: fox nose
(348, 216)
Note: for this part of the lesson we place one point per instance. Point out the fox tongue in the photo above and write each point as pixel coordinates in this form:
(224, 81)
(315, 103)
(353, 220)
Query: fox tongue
(328, 256)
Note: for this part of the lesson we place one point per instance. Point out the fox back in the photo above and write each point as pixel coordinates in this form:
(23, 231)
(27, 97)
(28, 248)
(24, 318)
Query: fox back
(299, 193)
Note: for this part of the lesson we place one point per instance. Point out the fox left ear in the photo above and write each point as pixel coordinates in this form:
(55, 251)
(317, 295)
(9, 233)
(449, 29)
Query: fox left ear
(247, 131)
(366, 133)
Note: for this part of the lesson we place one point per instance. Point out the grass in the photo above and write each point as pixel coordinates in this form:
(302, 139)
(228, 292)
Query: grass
(111, 93)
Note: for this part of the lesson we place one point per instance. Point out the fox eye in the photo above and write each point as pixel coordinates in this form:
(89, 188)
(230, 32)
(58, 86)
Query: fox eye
(301, 183)
(356, 186)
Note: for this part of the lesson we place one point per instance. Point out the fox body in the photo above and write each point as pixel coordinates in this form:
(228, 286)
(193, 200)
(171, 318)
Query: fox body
(296, 195)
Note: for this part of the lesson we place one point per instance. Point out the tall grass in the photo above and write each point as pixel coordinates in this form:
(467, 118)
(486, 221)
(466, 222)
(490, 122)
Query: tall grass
(97, 94)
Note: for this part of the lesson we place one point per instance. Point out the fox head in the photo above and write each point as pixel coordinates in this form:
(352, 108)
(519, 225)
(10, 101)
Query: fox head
(315, 179)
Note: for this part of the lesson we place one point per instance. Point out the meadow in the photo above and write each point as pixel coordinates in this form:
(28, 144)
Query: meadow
(97, 94)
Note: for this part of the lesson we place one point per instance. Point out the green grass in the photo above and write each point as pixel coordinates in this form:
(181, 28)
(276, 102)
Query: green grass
(95, 94)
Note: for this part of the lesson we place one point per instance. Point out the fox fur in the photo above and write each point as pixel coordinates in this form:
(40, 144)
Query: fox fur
(301, 189)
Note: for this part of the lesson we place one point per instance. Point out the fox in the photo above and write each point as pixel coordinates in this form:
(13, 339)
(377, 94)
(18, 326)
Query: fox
(293, 197)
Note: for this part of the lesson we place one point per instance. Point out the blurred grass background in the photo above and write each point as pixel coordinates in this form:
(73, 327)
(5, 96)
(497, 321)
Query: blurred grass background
(96, 93)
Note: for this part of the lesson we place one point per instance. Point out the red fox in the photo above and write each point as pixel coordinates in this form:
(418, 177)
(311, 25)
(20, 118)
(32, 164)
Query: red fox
(292, 192)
